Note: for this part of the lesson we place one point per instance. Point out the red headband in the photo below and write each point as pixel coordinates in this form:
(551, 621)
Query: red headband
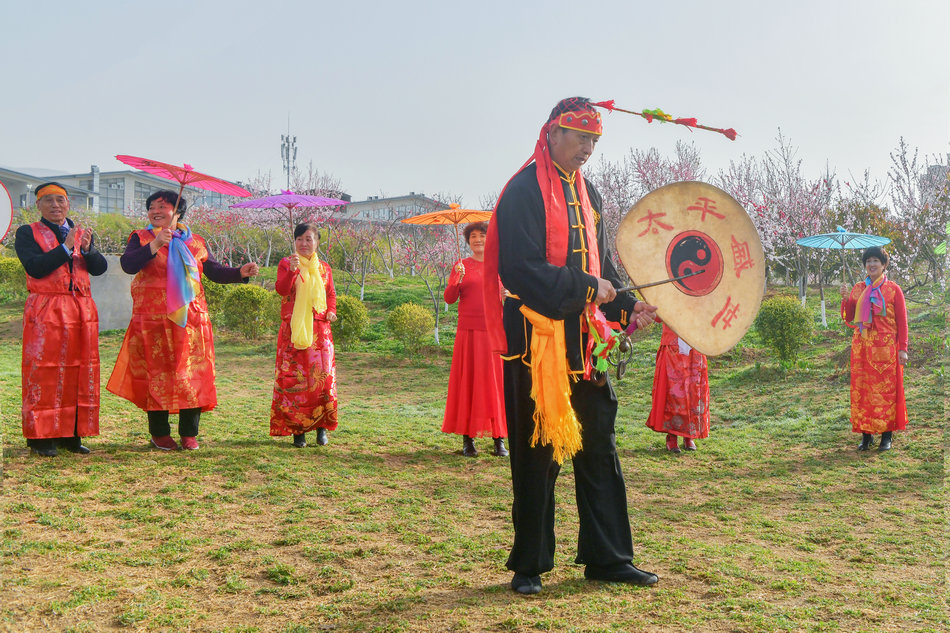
(582, 121)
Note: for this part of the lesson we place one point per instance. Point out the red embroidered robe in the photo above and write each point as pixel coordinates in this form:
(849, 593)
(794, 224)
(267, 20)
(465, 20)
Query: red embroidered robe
(877, 379)
(161, 366)
(60, 370)
(304, 379)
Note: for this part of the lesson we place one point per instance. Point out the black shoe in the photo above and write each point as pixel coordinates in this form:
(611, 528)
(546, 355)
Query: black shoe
(72, 444)
(623, 572)
(322, 438)
(885, 441)
(867, 441)
(44, 451)
(468, 447)
(500, 450)
(526, 584)
(300, 441)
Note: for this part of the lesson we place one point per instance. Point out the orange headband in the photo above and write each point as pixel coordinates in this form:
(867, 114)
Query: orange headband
(52, 189)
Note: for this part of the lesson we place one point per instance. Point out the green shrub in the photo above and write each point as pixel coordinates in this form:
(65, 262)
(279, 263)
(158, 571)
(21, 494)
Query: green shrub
(12, 280)
(784, 325)
(112, 232)
(248, 309)
(352, 320)
(215, 295)
(410, 323)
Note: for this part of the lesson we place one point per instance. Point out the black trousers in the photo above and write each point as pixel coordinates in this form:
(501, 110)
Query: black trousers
(604, 536)
(187, 422)
(72, 442)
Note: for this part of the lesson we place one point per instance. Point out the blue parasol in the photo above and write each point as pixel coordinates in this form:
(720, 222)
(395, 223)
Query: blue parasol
(843, 239)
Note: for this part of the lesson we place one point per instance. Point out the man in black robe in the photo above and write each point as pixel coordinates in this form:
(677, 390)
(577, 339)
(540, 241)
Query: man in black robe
(550, 249)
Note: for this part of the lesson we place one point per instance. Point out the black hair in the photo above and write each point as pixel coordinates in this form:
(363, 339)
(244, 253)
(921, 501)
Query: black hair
(303, 227)
(571, 104)
(171, 197)
(472, 227)
(874, 251)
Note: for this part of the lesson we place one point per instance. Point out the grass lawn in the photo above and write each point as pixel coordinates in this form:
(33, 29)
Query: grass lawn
(776, 523)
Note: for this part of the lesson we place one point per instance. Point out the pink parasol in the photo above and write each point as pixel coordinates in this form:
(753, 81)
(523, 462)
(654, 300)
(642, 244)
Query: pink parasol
(452, 215)
(289, 200)
(184, 175)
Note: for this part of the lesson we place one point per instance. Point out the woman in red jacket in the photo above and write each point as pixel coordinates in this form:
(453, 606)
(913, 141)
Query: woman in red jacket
(305, 378)
(475, 405)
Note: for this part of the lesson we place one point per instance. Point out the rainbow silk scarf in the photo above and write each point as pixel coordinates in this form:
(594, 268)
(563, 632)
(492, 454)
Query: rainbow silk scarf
(182, 278)
(870, 303)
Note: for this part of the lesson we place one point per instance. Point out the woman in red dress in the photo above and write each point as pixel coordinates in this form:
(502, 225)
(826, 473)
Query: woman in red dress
(305, 377)
(166, 363)
(475, 405)
(680, 393)
(878, 352)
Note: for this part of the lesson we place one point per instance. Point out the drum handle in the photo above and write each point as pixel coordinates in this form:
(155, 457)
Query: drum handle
(665, 281)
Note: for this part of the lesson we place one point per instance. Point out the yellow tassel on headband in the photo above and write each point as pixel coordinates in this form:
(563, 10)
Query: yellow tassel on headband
(311, 295)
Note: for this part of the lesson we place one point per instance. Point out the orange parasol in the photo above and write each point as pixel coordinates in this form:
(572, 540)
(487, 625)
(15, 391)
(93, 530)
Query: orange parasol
(453, 215)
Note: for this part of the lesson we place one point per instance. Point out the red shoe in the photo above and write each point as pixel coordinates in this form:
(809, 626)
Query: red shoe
(189, 443)
(164, 443)
(689, 444)
(672, 443)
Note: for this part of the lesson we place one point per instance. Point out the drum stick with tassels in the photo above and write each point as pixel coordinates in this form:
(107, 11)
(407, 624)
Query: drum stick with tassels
(658, 283)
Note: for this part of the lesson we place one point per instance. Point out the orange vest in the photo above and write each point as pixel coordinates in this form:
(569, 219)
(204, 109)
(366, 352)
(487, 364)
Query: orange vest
(161, 366)
(60, 368)
(63, 280)
(148, 290)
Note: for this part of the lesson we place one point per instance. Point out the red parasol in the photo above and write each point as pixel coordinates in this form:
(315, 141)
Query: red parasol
(452, 215)
(184, 175)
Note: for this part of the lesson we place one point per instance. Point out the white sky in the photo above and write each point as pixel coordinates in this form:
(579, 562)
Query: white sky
(442, 96)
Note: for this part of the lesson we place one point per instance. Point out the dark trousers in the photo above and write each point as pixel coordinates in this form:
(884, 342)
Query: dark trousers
(187, 423)
(604, 536)
(69, 443)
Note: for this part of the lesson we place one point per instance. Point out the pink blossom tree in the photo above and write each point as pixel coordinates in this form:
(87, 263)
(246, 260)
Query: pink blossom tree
(920, 203)
(353, 243)
(621, 184)
(430, 252)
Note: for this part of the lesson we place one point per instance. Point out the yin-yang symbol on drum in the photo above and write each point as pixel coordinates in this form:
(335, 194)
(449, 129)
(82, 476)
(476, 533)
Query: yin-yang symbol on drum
(689, 253)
